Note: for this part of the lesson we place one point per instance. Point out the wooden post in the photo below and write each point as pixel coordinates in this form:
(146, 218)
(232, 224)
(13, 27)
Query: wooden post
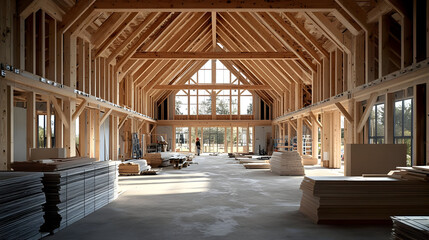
(90, 132)
(289, 130)
(335, 161)
(59, 128)
(31, 122)
(83, 149)
(315, 142)
(6, 126)
(389, 108)
(48, 124)
(70, 131)
(383, 45)
(96, 117)
(326, 136)
(299, 135)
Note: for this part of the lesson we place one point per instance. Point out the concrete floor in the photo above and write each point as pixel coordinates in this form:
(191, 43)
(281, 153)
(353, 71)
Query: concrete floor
(214, 199)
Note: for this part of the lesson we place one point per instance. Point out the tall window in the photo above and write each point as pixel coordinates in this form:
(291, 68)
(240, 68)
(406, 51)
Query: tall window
(182, 138)
(204, 102)
(376, 124)
(223, 75)
(222, 102)
(403, 127)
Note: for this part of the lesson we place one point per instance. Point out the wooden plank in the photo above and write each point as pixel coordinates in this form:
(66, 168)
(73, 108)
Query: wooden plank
(299, 135)
(344, 112)
(96, 121)
(6, 125)
(214, 30)
(107, 28)
(213, 5)
(356, 12)
(380, 9)
(214, 55)
(369, 104)
(48, 124)
(70, 131)
(211, 86)
(389, 108)
(313, 117)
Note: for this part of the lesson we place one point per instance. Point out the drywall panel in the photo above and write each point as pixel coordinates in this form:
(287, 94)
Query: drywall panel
(373, 158)
(261, 137)
(20, 134)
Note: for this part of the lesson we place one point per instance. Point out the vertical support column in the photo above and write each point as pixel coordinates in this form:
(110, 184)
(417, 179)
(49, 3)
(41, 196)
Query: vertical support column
(407, 42)
(338, 71)
(388, 122)
(332, 73)
(315, 142)
(419, 125)
(335, 161)
(383, 45)
(6, 126)
(357, 136)
(358, 70)
(31, 122)
(326, 136)
(90, 132)
(96, 117)
(289, 137)
(83, 145)
(59, 128)
(52, 72)
(70, 132)
(48, 124)
(299, 135)
(248, 139)
(69, 60)
(325, 79)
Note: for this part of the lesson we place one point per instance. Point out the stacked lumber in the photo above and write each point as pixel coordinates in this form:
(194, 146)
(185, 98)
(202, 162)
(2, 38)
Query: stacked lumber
(133, 167)
(51, 165)
(153, 159)
(409, 227)
(418, 173)
(262, 165)
(75, 193)
(338, 198)
(21, 200)
(247, 160)
(287, 164)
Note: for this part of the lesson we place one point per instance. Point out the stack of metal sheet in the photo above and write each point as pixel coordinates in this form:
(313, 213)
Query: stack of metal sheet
(74, 193)
(21, 200)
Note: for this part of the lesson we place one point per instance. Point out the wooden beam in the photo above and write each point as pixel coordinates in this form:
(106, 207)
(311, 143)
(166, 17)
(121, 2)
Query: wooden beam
(356, 12)
(59, 111)
(380, 9)
(214, 30)
(344, 112)
(313, 117)
(369, 104)
(122, 122)
(105, 116)
(107, 28)
(214, 55)
(74, 13)
(79, 109)
(291, 123)
(213, 5)
(212, 86)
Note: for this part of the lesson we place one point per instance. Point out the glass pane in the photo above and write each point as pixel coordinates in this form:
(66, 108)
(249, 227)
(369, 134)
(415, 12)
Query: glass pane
(372, 122)
(204, 105)
(250, 139)
(398, 119)
(181, 105)
(234, 105)
(222, 105)
(182, 139)
(193, 105)
(380, 120)
(246, 105)
(408, 113)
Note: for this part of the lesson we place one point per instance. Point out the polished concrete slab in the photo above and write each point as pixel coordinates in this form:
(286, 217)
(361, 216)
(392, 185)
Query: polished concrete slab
(213, 199)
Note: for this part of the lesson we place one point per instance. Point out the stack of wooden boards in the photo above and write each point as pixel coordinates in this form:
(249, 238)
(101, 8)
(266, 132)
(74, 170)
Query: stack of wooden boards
(257, 164)
(333, 199)
(287, 164)
(133, 167)
(409, 227)
(75, 193)
(50, 165)
(21, 200)
(419, 173)
(153, 159)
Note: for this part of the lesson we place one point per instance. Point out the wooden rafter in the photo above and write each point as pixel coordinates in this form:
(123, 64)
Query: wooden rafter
(213, 55)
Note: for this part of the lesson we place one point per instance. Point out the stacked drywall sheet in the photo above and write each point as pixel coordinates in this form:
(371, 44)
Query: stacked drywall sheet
(287, 164)
(50, 165)
(21, 200)
(75, 193)
(410, 227)
(133, 167)
(262, 165)
(332, 199)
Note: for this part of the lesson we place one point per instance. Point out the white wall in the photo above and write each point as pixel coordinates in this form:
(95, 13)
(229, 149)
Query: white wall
(261, 137)
(20, 134)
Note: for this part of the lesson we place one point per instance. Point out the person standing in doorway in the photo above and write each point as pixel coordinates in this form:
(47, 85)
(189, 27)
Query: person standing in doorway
(198, 144)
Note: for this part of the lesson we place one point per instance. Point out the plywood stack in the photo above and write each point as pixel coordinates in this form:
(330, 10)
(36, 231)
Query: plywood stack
(287, 164)
(419, 173)
(153, 159)
(333, 199)
(50, 165)
(21, 200)
(409, 227)
(75, 193)
(133, 167)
